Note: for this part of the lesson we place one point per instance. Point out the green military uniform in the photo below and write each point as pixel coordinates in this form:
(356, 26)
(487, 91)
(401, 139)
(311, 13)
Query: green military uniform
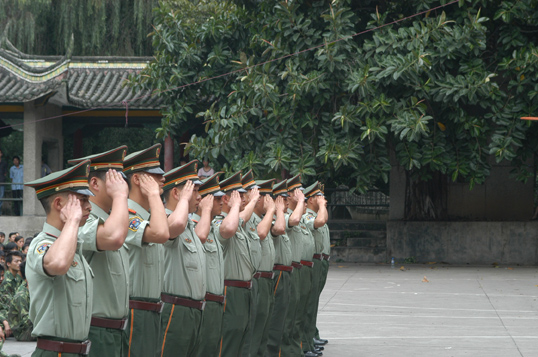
(184, 285)
(282, 280)
(64, 307)
(214, 307)
(326, 254)
(247, 181)
(18, 315)
(313, 299)
(305, 285)
(291, 340)
(111, 270)
(238, 272)
(145, 266)
(7, 289)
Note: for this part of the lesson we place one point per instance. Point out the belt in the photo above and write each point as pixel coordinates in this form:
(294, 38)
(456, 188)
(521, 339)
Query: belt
(149, 306)
(317, 256)
(283, 267)
(326, 257)
(176, 300)
(214, 297)
(238, 283)
(296, 265)
(109, 323)
(265, 274)
(81, 348)
(307, 263)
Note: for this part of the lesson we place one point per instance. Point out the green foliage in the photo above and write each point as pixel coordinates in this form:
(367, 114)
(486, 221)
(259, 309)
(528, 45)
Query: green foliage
(98, 27)
(441, 93)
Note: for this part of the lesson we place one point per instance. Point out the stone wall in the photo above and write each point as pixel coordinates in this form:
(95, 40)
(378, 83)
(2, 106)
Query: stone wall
(464, 242)
(27, 226)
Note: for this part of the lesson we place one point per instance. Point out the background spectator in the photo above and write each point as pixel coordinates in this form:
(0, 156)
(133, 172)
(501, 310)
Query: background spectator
(16, 173)
(2, 235)
(206, 170)
(11, 246)
(45, 169)
(12, 236)
(3, 178)
(2, 262)
(2, 270)
(19, 241)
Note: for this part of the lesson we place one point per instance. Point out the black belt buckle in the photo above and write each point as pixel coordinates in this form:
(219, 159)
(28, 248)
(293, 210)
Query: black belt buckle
(87, 346)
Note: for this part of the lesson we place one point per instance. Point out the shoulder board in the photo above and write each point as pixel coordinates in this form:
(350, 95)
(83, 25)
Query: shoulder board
(195, 221)
(132, 211)
(52, 235)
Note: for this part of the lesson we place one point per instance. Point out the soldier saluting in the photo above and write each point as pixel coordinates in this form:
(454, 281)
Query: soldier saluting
(59, 278)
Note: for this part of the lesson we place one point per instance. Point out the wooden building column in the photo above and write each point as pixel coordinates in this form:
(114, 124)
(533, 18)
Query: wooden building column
(168, 153)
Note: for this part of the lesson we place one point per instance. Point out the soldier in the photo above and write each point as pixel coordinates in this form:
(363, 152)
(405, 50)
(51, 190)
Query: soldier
(184, 284)
(214, 297)
(145, 237)
(282, 269)
(314, 219)
(12, 278)
(18, 311)
(248, 183)
(238, 268)
(103, 235)
(263, 220)
(59, 278)
(291, 342)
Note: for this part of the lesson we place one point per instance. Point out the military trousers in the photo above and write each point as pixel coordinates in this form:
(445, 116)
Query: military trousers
(235, 321)
(323, 280)
(106, 342)
(264, 309)
(312, 307)
(305, 290)
(253, 306)
(180, 330)
(281, 292)
(142, 333)
(211, 329)
(291, 341)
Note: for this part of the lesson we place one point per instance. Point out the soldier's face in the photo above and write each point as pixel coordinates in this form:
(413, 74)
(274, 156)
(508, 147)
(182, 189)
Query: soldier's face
(217, 206)
(15, 264)
(159, 179)
(195, 199)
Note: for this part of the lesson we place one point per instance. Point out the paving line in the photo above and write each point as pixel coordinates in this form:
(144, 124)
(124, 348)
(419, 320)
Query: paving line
(434, 308)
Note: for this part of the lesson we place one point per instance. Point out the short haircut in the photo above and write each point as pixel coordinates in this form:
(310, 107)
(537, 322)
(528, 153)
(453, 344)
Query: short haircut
(10, 246)
(128, 178)
(23, 270)
(2, 234)
(12, 234)
(18, 238)
(10, 256)
(101, 175)
(46, 202)
(28, 240)
(16, 157)
(166, 195)
(2, 269)
(25, 245)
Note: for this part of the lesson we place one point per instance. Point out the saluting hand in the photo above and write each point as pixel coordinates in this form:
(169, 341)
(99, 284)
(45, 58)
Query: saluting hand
(280, 204)
(254, 195)
(298, 195)
(72, 211)
(235, 200)
(148, 186)
(116, 187)
(186, 192)
(269, 205)
(206, 204)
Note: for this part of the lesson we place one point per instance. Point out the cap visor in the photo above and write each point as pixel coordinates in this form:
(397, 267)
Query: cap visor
(219, 194)
(253, 186)
(84, 191)
(155, 170)
(197, 182)
(241, 190)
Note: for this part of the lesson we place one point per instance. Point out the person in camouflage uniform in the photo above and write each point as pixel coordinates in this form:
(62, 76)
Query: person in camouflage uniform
(2, 339)
(8, 288)
(18, 312)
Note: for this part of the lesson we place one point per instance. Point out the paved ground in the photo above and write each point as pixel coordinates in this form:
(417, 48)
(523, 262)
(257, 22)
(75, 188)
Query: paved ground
(424, 310)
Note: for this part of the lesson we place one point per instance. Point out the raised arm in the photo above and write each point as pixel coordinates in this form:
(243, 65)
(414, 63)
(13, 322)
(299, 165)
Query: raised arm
(279, 227)
(204, 224)
(229, 225)
(177, 220)
(245, 214)
(265, 225)
(61, 253)
(323, 215)
(295, 217)
(111, 235)
(157, 230)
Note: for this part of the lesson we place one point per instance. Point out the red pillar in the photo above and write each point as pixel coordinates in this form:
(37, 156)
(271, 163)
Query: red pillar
(168, 153)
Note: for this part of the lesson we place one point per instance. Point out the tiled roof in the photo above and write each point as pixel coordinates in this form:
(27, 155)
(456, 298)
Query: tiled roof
(88, 81)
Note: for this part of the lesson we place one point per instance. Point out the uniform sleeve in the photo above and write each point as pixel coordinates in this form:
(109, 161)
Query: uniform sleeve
(215, 225)
(287, 219)
(35, 257)
(135, 233)
(309, 221)
(88, 233)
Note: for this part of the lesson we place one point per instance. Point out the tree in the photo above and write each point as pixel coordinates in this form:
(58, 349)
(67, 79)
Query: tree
(90, 28)
(440, 93)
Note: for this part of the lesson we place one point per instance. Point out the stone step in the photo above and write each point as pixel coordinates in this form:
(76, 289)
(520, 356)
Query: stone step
(337, 235)
(359, 254)
(350, 225)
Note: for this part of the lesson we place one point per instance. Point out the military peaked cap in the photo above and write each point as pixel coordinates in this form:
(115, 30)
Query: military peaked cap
(146, 160)
(313, 190)
(281, 189)
(182, 174)
(295, 182)
(232, 183)
(247, 180)
(211, 186)
(265, 186)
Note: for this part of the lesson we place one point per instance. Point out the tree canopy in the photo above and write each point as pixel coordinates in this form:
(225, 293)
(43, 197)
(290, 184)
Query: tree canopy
(90, 28)
(441, 93)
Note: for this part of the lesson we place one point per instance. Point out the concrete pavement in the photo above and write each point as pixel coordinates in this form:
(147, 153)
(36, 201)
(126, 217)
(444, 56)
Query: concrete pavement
(424, 310)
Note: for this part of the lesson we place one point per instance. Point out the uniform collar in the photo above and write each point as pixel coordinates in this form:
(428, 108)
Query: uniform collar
(98, 211)
(51, 231)
(195, 217)
(140, 211)
(223, 214)
(308, 210)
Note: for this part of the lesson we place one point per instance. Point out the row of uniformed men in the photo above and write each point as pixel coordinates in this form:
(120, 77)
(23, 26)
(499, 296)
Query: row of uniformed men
(228, 274)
